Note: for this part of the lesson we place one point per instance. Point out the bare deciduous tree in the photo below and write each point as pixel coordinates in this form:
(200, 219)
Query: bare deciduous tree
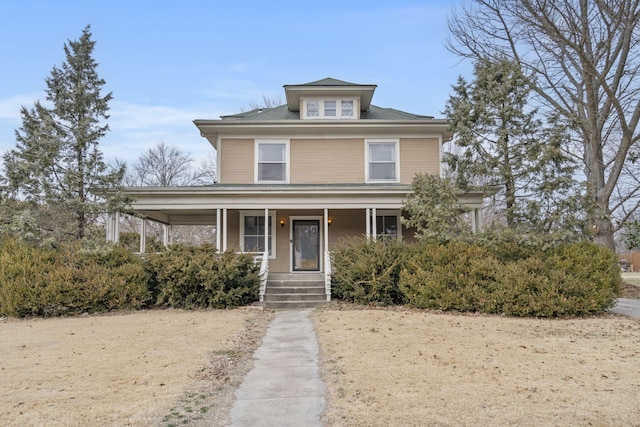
(167, 166)
(585, 57)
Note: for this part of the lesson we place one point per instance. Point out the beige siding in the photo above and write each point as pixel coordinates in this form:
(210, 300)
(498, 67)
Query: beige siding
(236, 161)
(418, 155)
(233, 230)
(327, 161)
(345, 223)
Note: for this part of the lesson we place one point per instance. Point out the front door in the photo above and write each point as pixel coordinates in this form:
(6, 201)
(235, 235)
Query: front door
(306, 245)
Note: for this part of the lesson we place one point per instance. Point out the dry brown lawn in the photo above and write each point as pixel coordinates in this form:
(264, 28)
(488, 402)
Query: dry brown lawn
(133, 369)
(395, 367)
(412, 368)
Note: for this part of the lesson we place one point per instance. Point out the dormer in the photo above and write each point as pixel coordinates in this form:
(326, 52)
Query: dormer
(329, 99)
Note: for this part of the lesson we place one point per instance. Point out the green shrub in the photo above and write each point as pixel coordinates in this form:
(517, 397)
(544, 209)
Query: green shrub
(47, 282)
(367, 272)
(537, 279)
(199, 277)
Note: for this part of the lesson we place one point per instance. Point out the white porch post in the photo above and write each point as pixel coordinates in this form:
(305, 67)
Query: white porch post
(327, 259)
(143, 235)
(368, 226)
(326, 232)
(218, 229)
(224, 229)
(166, 239)
(473, 220)
(116, 227)
(266, 230)
(479, 219)
(109, 228)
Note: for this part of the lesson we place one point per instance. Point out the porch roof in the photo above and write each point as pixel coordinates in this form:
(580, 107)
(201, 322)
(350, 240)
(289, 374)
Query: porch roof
(198, 205)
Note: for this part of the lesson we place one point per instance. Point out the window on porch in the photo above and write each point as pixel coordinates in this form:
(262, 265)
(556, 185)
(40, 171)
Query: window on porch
(387, 227)
(252, 232)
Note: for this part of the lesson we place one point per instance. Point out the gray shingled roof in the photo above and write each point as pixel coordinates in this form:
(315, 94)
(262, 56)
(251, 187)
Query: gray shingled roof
(329, 82)
(282, 113)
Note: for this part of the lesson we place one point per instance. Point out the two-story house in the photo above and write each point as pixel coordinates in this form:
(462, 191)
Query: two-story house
(295, 179)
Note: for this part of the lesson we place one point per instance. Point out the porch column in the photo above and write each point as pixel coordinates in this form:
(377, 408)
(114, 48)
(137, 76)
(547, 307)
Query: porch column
(116, 227)
(224, 229)
(326, 258)
(368, 226)
(479, 219)
(143, 235)
(326, 232)
(166, 240)
(109, 227)
(266, 230)
(218, 229)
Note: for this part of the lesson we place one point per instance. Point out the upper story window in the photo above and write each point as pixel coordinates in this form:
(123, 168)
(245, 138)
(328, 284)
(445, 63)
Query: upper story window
(329, 108)
(382, 161)
(272, 162)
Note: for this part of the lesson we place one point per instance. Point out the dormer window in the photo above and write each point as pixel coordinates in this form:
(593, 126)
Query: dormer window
(329, 109)
(347, 108)
(313, 108)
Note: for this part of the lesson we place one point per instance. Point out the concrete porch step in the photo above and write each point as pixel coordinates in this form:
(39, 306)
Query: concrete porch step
(294, 290)
(319, 297)
(304, 289)
(294, 284)
(285, 305)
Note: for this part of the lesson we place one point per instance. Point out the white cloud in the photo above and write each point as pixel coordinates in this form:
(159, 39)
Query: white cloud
(136, 128)
(10, 107)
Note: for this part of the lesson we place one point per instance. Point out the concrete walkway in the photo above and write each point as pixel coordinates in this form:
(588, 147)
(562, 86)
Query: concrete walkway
(627, 307)
(284, 387)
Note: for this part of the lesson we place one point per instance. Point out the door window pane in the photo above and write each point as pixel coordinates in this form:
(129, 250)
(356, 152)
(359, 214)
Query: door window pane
(306, 245)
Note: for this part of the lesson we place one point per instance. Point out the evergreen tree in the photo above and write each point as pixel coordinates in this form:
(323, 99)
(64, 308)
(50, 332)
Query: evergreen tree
(433, 209)
(505, 145)
(57, 160)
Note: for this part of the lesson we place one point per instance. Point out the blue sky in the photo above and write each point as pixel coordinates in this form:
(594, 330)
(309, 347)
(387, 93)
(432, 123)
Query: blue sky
(168, 63)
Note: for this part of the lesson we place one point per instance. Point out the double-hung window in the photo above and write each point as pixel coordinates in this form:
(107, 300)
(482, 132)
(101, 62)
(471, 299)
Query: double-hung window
(252, 232)
(272, 162)
(382, 161)
(329, 109)
(387, 226)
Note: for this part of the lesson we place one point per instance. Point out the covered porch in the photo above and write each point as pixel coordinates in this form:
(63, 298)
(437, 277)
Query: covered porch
(293, 225)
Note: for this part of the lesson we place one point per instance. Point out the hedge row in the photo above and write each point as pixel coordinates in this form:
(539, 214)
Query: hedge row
(573, 279)
(66, 281)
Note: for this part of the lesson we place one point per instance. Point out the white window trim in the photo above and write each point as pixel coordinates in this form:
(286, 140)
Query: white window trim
(257, 143)
(338, 115)
(367, 143)
(396, 213)
(272, 215)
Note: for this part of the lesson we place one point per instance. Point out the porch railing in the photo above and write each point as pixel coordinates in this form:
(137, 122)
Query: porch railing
(262, 259)
(327, 274)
